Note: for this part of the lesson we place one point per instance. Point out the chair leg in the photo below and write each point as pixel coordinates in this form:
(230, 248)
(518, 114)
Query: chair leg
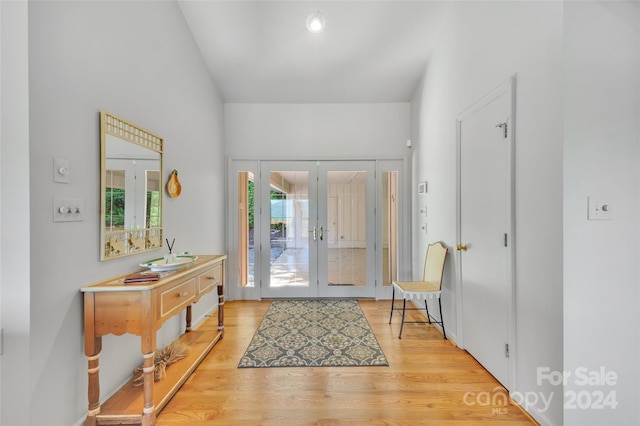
(393, 301)
(444, 333)
(426, 308)
(404, 308)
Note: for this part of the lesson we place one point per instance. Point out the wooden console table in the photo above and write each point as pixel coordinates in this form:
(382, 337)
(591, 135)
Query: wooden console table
(112, 307)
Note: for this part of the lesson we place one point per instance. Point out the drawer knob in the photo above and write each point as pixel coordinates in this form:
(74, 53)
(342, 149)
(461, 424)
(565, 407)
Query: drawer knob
(183, 294)
(211, 277)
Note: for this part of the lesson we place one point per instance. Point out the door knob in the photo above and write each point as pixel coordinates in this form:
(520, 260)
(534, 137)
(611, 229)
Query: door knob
(462, 247)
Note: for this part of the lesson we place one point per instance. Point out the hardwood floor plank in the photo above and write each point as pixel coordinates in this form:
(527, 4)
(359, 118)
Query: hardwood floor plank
(425, 383)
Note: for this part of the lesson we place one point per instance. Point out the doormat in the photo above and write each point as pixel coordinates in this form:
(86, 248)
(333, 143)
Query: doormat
(313, 333)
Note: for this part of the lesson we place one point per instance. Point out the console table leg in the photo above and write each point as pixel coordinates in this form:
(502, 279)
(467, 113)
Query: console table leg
(188, 318)
(94, 388)
(221, 310)
(148, 370)
(93, 371)
(92, 349)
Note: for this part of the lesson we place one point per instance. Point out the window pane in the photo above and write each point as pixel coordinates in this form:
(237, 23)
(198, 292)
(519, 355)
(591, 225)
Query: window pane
(346, 228)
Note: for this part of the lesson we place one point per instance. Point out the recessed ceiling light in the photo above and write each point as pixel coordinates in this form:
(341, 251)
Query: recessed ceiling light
(315, 22)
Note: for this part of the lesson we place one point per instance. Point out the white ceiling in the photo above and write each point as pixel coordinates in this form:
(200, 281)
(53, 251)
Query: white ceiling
(261, 51)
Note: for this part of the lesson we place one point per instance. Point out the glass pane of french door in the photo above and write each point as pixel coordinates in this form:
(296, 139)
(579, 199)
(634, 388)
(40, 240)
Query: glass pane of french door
(346, 226)
(288, 218)
(389, 252)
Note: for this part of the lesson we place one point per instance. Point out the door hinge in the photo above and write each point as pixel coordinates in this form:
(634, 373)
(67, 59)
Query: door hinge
(505, 240)
(506, 350)
(1, 341)
(504, 127)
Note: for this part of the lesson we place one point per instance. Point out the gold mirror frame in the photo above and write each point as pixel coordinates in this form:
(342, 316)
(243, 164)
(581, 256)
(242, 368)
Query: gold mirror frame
(128, 238)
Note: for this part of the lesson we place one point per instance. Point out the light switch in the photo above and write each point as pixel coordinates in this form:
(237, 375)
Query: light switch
(61, 170)
(422, 187)
(68, 210)
(599, 208)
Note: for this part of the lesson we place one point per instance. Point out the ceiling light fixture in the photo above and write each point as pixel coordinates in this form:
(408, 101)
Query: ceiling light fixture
(316, 22)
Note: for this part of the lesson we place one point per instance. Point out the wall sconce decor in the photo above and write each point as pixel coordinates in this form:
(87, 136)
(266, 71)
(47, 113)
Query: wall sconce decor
(173, 184)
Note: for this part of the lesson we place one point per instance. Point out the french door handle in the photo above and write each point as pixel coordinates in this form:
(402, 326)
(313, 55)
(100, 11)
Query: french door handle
(314, 233)
(321, 233)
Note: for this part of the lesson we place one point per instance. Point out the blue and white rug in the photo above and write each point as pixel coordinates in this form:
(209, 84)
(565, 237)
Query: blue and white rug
(313, 333)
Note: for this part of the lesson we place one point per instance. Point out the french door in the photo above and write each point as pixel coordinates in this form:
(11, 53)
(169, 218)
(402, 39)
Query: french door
(346, 217)
(317, 229)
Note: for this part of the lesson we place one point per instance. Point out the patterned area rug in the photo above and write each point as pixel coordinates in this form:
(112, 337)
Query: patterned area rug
(313, 333)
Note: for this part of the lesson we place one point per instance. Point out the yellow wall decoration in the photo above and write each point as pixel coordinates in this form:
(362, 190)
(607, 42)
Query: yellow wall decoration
(173, 184)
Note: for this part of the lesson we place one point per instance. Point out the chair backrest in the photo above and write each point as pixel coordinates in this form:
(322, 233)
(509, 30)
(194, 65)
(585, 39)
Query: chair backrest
(434, 263)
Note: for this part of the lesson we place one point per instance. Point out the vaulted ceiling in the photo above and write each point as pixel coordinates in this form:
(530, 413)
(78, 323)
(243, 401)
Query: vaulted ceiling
(261, 51)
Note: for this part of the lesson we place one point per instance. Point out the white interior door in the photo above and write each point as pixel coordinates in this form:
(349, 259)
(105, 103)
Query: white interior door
(485, 230)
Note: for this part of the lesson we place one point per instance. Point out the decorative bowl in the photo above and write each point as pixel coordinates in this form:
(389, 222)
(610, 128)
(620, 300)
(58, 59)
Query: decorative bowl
(162, 264)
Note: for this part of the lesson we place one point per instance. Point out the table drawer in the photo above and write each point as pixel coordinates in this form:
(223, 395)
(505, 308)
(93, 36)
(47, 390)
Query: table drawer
(177, 297)
(209, 278)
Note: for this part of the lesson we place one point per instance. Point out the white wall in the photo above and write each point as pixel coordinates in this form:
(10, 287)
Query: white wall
(602, 158)
(136, 60)
(14, 213)
(483, 45)
(317, 131)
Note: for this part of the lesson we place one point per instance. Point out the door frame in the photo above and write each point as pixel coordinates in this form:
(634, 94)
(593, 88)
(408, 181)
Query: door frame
(236, 164)
(508, 88)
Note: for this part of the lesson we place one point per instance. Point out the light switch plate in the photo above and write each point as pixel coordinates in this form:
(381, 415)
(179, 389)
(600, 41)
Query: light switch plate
(68, 209)
(599, 208)
(61, 170)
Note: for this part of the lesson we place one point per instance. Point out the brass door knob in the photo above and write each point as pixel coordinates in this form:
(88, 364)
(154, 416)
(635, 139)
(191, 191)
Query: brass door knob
(462, 247)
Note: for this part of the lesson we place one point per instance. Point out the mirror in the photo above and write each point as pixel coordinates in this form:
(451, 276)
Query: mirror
(130, 188)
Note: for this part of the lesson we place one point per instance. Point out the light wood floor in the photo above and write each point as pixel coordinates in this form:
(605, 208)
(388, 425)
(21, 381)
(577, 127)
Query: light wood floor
(425, 383)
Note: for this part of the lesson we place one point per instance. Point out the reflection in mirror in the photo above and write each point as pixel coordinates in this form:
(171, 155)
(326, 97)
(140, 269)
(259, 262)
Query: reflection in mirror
(131, 209)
